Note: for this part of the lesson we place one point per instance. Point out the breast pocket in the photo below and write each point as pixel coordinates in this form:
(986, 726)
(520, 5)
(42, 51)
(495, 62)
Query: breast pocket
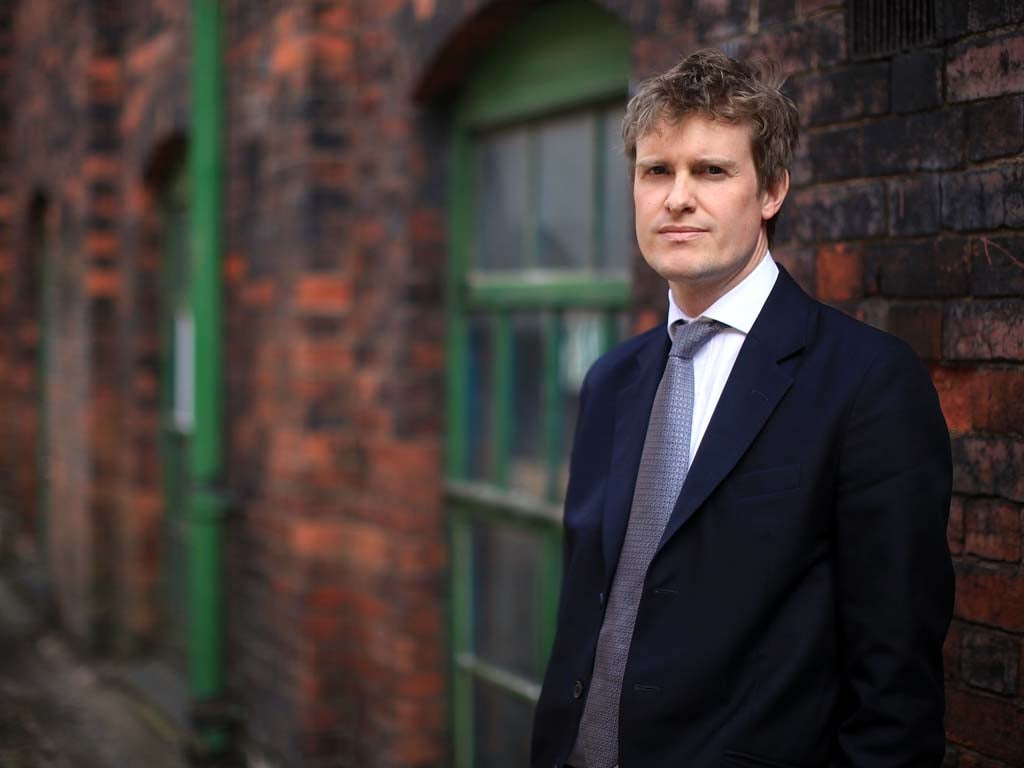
(762, 483)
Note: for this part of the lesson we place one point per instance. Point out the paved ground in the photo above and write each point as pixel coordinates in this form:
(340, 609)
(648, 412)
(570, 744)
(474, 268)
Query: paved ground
(56, 712)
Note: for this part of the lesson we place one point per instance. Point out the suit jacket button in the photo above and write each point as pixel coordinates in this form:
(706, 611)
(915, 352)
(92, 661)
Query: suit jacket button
(577, 689)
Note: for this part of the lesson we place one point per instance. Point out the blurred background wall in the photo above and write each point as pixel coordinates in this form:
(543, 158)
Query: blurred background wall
(285, 424)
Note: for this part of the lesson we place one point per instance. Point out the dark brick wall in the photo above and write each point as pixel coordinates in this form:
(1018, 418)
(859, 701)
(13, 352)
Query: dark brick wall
(906, 210)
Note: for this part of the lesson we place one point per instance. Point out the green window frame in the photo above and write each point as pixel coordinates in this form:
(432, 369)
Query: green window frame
(520, 334)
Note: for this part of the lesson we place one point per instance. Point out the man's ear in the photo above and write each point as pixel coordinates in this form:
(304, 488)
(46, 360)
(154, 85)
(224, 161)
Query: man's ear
(773, 195)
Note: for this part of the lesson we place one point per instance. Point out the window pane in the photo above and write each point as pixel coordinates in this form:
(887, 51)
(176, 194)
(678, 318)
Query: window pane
(507, 562)
(479, 402)
(584, 340)
(619, 235)
(527, 471)
(502, 729)
(566, 192)
(500, 199)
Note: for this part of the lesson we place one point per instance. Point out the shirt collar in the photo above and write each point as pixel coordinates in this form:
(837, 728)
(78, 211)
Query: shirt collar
(741, 305)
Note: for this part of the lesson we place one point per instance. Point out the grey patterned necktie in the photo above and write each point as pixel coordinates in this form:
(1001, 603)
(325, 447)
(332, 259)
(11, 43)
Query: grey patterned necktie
(663, 466)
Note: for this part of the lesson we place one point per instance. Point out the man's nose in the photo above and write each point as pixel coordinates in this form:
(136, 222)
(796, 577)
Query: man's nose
(680, 196)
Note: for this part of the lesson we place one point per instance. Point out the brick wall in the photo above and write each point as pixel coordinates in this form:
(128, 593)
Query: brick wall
(46, 155)
(906, 210)
(150, 80)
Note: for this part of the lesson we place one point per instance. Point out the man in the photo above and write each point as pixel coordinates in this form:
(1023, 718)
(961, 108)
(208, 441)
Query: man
(756, 570)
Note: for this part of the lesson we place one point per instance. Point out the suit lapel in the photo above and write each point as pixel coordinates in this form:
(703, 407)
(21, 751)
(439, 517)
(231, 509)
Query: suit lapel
(754, 388)
(632, 412)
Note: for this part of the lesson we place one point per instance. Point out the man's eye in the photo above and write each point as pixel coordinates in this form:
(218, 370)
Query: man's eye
(714, 170)
(657, 170)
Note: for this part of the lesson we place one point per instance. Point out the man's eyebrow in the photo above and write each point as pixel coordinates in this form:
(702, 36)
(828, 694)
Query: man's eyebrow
(651, 160)
(723, 162)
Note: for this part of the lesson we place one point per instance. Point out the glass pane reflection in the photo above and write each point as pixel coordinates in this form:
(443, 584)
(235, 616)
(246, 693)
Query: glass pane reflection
(502, 729)
(583, 341)
(566, 192)
(619, 236)
(507, 562)
(500, 196)
(527, 471)
(479, 402)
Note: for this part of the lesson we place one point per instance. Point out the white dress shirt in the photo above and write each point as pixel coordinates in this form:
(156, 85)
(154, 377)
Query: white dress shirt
(737, 309)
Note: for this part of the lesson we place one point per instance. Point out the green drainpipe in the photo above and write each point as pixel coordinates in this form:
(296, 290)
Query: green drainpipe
(210, 716)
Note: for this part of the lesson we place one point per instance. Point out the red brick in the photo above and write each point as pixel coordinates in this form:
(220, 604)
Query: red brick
(955, 527)
(323, 294)
(991, 597)
(983, 398)
(955, 397)
(840, 272)
(987, 725)
(102, 282)
(985, 68)
(999, 400)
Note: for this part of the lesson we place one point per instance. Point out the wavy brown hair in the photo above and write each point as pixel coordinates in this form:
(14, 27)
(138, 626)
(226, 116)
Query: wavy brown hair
(712, 84)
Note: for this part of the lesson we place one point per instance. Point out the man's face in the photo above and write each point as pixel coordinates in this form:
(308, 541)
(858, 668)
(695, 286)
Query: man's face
(699, 214)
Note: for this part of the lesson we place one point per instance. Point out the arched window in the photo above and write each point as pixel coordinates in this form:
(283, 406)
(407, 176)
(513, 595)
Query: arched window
(541, 243)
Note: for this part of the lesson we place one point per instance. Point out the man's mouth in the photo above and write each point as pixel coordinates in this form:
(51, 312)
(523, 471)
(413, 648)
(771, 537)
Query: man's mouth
(681, 234)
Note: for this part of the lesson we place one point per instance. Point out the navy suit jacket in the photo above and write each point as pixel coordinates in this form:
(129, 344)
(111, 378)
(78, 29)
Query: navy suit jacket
(795, 611)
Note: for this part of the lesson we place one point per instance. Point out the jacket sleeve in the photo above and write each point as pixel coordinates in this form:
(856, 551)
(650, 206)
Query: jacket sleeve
(894, 574)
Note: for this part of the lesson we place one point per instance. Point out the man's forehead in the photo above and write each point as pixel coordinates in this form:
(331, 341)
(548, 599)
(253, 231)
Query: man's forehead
(666, 127)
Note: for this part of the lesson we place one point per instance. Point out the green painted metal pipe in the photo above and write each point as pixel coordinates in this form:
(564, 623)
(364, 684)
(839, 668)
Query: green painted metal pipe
(206, 504)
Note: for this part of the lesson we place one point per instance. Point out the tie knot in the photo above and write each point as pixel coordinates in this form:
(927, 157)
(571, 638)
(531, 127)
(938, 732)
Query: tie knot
(690, 337)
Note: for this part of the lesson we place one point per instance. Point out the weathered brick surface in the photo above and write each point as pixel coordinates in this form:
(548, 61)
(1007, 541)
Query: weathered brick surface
(900, 144)
(837, 213)
(988, 466)
(906, 210)
(914, 205)
(984, 399)
(985, 724)
(919, 268)
(990, 596)
(995, 128)
(990, 66)
(984, 330)
(997, 265)
(989, 661)
(992, 530)
(985, 199)
(844, 94)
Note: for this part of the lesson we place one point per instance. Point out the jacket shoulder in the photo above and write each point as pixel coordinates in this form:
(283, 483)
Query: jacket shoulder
(620, 358)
